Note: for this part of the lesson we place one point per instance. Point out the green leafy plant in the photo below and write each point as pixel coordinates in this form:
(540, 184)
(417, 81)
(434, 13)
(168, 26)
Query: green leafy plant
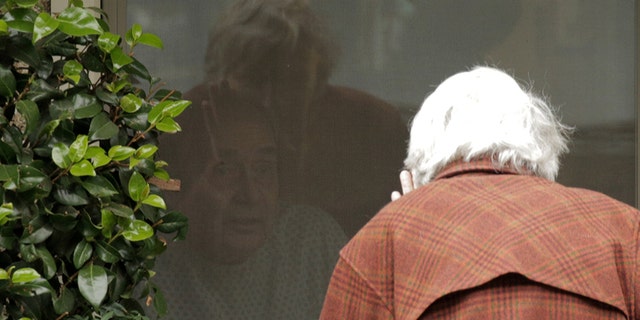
(81, 212)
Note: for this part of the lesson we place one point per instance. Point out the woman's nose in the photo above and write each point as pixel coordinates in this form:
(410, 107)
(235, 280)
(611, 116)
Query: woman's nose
(247, 189)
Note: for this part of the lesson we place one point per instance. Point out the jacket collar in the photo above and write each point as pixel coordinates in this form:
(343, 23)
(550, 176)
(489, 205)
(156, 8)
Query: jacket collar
(480, 166)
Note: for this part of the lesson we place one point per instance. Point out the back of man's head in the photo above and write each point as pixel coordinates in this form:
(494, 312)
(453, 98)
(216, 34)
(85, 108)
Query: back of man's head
(485, 113)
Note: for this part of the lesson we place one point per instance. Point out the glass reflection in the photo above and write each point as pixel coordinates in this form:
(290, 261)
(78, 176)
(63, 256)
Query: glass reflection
(344, 79)
(248, 254)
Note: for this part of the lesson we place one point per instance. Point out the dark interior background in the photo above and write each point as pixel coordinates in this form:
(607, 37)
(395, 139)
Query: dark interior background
(579, 53)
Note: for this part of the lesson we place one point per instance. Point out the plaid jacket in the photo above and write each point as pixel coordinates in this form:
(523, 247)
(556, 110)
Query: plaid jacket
(476, 243)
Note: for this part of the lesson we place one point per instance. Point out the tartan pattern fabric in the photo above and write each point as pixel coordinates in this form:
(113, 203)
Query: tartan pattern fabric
(474, 224)
(513, 296)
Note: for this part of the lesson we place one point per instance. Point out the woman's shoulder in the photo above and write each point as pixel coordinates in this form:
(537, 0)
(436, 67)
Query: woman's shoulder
(304, 223)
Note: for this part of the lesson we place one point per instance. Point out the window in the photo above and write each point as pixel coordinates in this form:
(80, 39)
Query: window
(581, 54)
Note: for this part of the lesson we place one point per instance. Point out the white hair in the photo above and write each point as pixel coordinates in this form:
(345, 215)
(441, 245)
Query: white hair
(485, 113)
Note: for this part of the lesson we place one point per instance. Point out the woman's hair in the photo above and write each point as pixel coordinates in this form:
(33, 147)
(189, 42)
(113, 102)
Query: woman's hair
(255, 39)
(485, 113)
(234, 105)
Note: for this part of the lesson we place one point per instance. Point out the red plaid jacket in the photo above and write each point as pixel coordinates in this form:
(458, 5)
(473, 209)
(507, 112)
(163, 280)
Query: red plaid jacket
(476, 243)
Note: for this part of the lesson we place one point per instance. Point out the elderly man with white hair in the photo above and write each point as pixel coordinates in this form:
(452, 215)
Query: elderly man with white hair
(482, 230)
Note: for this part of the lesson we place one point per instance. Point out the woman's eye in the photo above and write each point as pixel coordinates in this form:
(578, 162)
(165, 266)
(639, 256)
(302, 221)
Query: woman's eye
(225, 169)
(265, 168)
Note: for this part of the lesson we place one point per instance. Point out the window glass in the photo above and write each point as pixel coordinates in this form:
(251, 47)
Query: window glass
(326, 107)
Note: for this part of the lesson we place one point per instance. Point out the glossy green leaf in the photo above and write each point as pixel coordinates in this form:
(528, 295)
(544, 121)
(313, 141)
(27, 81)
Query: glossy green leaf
(6, 213)
(74, 197)
(43, 26)
(133, 162)
(4, 275)
(41, 90)
(117, 85)
(61, 109)
(72, 70)
(22, 49)
(4, 28)
(138, 69)
(107, 41)
(168, 125)
(99, 186)
(28, 252)
(102, 127)
(107, 97)
(120, 210)
(100, 160)
(159, 303)
(172, 222)
(36, 287)
(78, 148)
(38, 235)
(87, 228)
(106, 252)
(85, 106)
(157, 112)
(13, 138)
(82, 253)
(161, 174)
(65, 302)
(7, 154)
(151, 40)
(93, 284)
(155, 200)
(57, 46)
(175, 108)
(131, 103)
(9, 172)
(49, 128)
(24, 275)
(82, 168)
(119, 153)
(133, 34)
(138, 231)
(119, 59)
(60, 155)
(168, 108)
(7, 82)
(146, 151)
(136, 121)
(21, 19)
(93, 60)
(29, 110)
(93, 151)
(26, 3)
(138, 187)
(65, 220)
(48, 263)
(108, 222)
(77, 21)
(31, 177)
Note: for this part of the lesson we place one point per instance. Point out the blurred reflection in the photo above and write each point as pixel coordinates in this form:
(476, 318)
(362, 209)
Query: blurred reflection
(247, 255)
(340, 149)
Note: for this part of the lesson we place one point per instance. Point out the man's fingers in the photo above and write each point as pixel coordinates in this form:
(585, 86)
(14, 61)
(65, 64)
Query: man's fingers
(406, 181)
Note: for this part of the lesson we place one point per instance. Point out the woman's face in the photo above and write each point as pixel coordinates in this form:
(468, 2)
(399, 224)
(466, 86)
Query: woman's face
(241, 189)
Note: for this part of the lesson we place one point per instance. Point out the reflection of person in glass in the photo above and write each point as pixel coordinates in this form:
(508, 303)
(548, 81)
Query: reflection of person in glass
(246, 255)
(341, 148)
